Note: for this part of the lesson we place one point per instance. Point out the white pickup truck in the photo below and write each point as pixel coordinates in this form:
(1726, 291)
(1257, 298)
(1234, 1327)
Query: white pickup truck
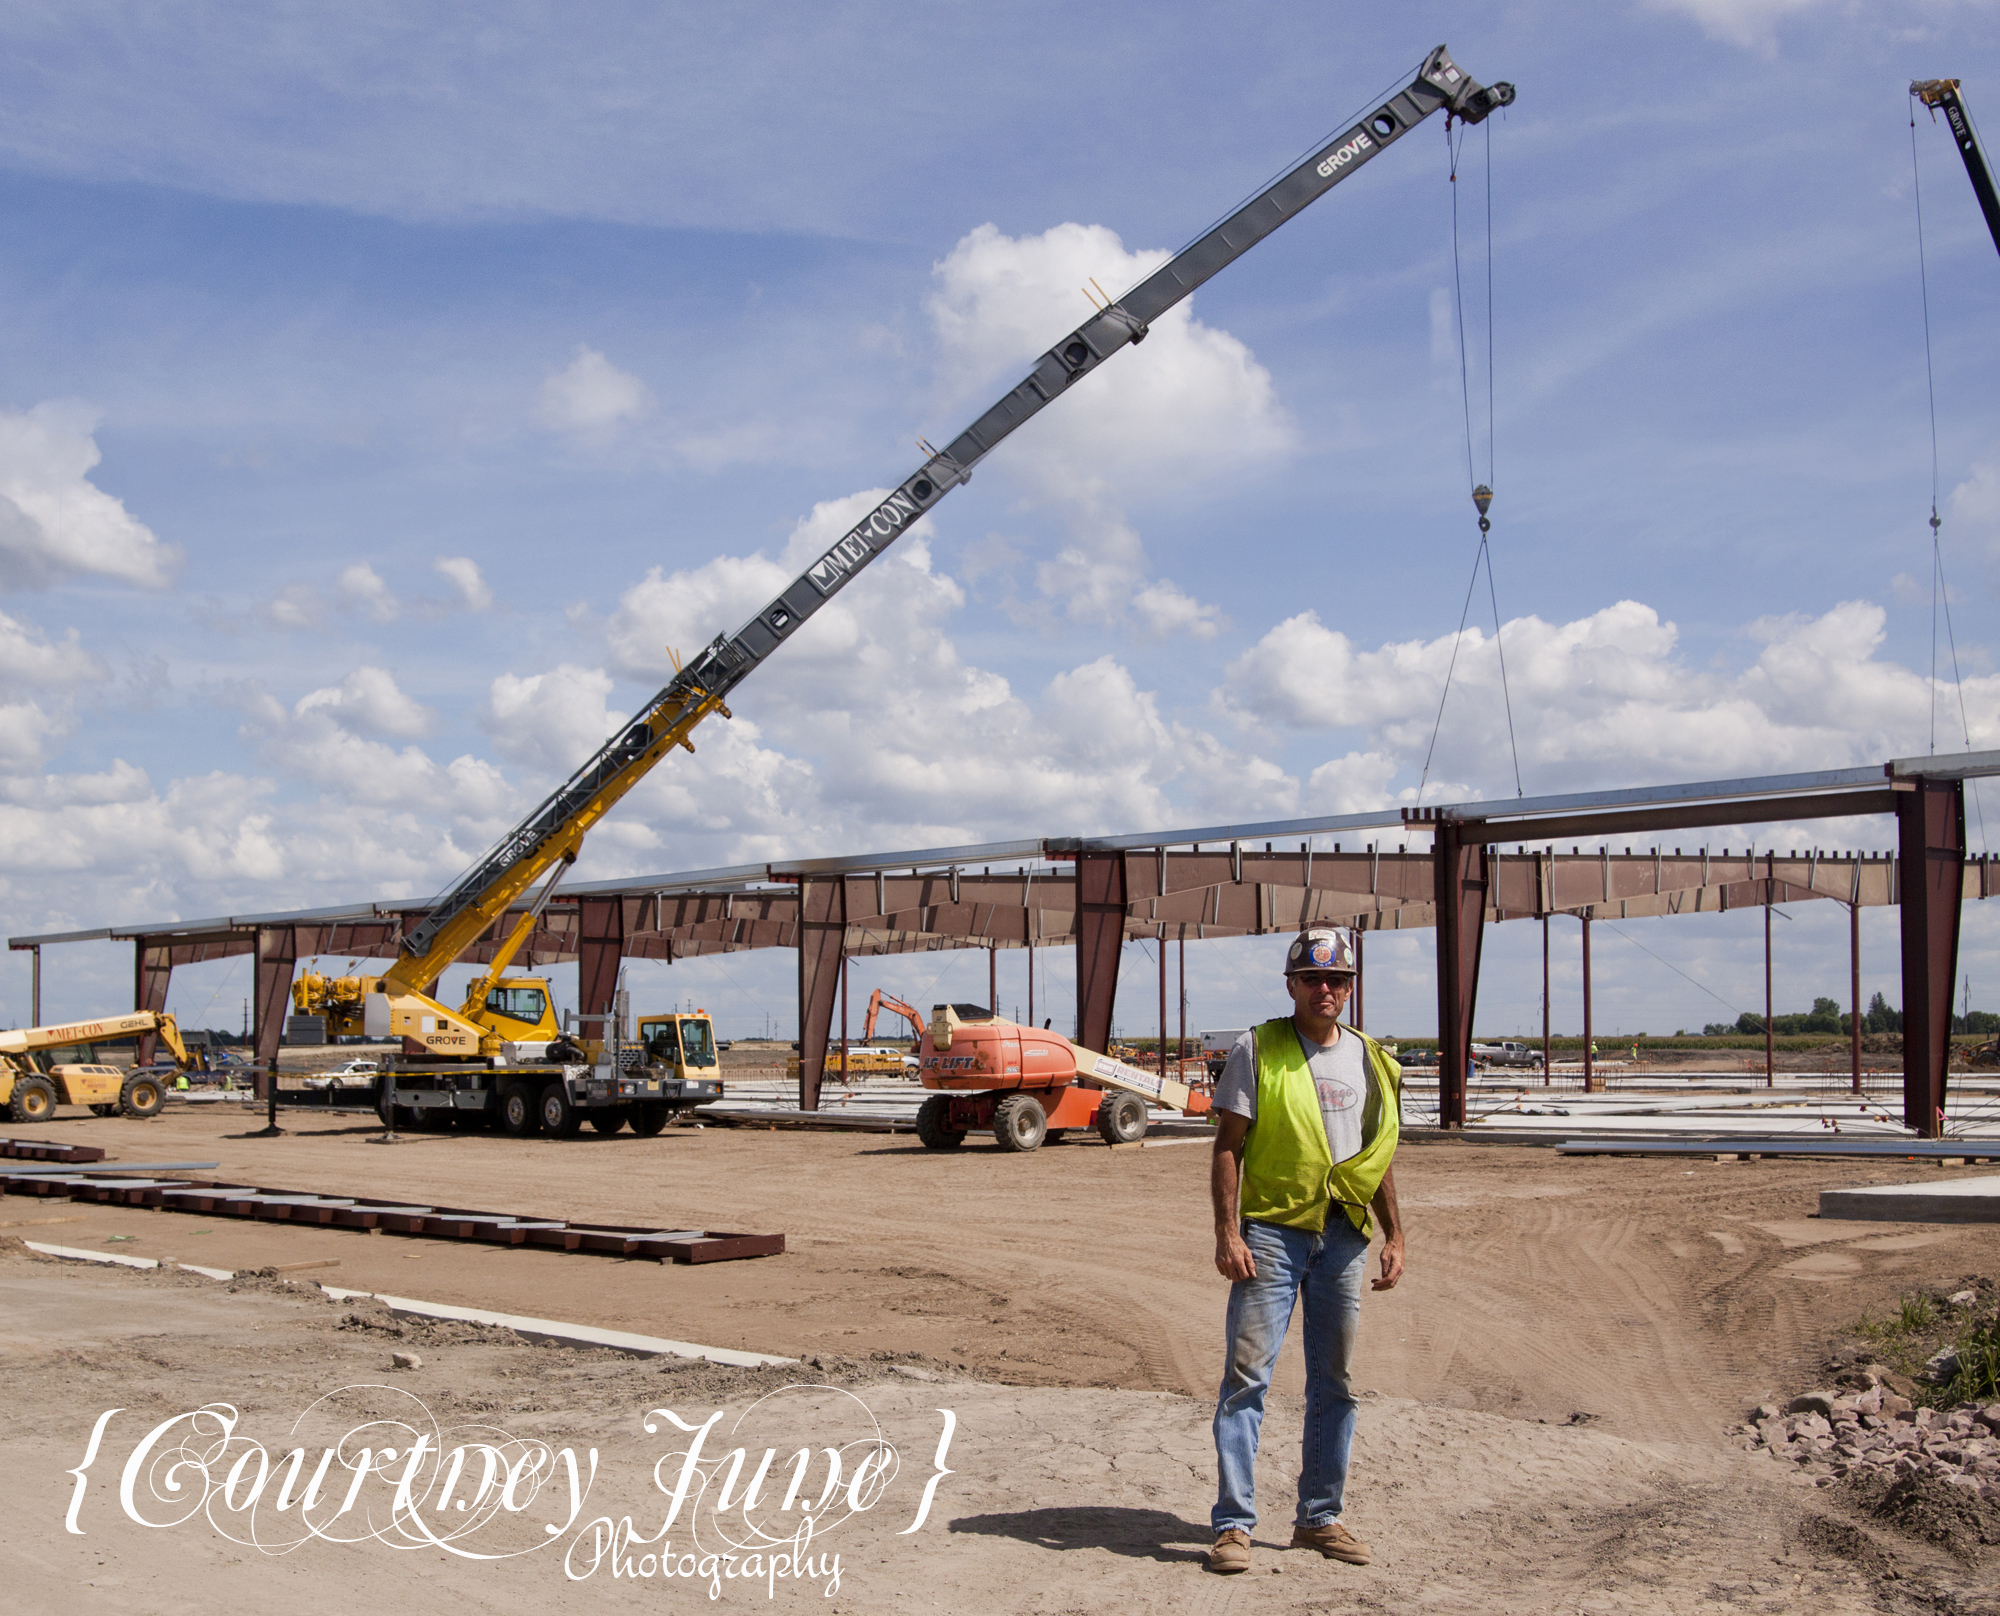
(1508, 1053)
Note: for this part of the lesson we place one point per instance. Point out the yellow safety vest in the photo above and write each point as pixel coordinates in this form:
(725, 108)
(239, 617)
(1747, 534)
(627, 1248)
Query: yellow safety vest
(1289, 1174)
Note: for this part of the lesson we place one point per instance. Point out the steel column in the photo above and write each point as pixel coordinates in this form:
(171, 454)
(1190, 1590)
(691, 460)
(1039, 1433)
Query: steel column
(1181, 1052)
(843, 1020)
(1770, 1048)
(35, 989)
(993, 979)
(1462, 879)
(600, 951)
(1100, 942)
(1854, 961)
(1162, 941)
(276, 955)
(153, 970)
(1589, 1046)
(823, 911)
(1930, 859)
(1360, 977)
(1546, 1046)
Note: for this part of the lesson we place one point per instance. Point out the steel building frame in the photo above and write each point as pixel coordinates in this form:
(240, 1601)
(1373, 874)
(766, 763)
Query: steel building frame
(1095, 894)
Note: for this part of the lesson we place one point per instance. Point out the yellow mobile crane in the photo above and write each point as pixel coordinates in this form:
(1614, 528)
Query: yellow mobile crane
(30, 1089)
(461, 1060)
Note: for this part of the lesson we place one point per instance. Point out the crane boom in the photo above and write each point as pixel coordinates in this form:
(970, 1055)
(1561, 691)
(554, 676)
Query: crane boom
(556, 829)
(1941, 95)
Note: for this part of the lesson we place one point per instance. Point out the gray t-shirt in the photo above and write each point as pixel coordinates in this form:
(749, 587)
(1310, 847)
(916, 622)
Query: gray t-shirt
(1339, 1071)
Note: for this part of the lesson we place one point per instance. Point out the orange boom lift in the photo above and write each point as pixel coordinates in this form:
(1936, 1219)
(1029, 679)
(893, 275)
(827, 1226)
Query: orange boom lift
(1029, 1085)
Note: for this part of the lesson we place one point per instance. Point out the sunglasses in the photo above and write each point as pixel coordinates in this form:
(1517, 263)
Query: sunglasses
(1323, 979)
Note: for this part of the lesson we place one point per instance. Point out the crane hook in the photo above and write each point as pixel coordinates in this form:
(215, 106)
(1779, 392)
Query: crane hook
(1482, 496)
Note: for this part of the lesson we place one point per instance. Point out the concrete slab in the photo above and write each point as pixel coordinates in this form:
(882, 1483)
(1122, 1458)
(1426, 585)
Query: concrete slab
(1968, 1200)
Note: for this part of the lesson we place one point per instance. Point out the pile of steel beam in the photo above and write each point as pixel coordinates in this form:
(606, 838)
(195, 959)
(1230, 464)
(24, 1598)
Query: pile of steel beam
(390, 1217)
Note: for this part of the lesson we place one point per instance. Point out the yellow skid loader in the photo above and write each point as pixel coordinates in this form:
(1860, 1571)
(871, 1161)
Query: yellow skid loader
(30, 1089)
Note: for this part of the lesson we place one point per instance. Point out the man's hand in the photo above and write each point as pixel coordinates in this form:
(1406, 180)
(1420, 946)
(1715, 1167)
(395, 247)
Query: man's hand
(1392, 1264)
(1391, 1218)
(1232, 1257)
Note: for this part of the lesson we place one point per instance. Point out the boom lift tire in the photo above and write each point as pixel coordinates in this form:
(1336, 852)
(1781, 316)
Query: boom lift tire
(607, 1119)
(34, 1100)
(517, 1111)
(559, 1116)
(931, 1118)
(1020, 1123)
(649, 1117)
(141, 1097)
(1121, 1119)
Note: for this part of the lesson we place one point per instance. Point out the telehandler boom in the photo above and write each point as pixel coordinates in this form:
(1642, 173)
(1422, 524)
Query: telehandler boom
(30, 1090)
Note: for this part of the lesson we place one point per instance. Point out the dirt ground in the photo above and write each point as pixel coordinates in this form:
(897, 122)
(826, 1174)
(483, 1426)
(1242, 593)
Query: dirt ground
(1547, 1394)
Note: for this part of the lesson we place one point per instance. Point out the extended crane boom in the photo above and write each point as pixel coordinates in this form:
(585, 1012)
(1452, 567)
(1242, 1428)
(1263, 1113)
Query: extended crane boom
(1941, 95)
(556, 829)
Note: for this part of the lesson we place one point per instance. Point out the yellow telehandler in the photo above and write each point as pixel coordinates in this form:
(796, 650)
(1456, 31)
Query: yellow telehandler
(31, 1088)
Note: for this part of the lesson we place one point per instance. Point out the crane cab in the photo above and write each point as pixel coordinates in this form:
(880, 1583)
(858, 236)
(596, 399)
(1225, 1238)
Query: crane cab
(684, 1042)
(520, 1009)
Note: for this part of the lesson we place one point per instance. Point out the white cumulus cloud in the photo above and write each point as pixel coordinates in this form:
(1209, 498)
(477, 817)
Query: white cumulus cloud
(1609, 697)
(368, 701)
(551, 721)
(591, 394)
(1753, 24)
(54, 522)
(361, 587)
(463, 574)
(1189, 403)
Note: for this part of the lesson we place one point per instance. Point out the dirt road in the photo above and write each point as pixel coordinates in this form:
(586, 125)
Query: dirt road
(1070, 1297)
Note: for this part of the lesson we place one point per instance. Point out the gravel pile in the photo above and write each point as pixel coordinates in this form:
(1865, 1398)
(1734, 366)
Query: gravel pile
(1865, 1427)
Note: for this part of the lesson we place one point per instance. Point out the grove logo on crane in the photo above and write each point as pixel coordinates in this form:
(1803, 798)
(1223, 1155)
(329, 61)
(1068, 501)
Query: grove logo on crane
(884, 522)
(1341, 156)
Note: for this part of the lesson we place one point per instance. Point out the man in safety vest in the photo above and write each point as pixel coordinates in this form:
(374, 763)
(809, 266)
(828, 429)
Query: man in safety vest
(1307, 1116)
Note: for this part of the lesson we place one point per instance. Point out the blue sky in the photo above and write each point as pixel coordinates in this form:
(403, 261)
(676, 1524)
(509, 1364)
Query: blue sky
(385, 388)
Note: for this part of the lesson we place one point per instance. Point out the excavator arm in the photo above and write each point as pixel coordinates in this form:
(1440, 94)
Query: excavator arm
(878, 1001)
(555, 830)
(1941, 95)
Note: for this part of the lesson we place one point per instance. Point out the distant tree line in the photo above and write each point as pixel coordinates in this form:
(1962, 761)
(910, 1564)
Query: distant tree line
(1826, 1016)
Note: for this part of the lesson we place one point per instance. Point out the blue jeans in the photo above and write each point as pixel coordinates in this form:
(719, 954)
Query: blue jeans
(1328, 1269)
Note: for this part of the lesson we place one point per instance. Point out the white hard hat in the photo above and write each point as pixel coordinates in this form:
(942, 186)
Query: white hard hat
(1322, 948)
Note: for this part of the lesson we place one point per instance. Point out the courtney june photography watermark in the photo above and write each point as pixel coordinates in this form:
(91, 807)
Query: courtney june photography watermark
(726, 1505)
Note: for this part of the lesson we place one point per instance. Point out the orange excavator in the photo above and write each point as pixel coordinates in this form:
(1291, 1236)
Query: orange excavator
(1030, 1085)
(878, 1001)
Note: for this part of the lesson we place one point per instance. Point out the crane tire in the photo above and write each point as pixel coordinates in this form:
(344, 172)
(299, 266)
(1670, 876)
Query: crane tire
(141, 1097)
(1121, 1119)
(1020, 1123)
(932, 1117)
(607, 1119)
(558, 1114)
(34, 1100)
(649, 1117)
(517, 1111)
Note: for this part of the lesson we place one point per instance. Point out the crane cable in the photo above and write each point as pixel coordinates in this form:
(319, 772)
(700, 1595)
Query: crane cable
(1482, 493)
(1940, 590)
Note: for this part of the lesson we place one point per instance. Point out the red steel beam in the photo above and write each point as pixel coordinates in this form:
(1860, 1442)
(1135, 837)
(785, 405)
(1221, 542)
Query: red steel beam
(1930, 852)
(1461, 915)
(1100, 939)
(153, 971)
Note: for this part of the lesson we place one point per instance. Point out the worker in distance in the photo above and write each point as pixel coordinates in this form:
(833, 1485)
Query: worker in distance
(1307, 1115)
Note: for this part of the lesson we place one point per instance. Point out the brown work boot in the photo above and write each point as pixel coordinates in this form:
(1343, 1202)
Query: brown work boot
(1231, 1551)
(1332, 1540)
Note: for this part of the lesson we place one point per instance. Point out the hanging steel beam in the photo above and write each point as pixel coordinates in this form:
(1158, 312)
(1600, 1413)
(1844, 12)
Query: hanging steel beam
(1931, 854)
